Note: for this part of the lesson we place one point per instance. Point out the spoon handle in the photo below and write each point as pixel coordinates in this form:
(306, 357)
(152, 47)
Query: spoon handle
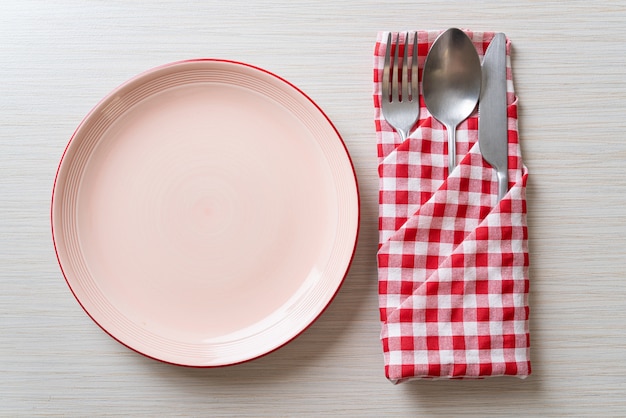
(451, 148)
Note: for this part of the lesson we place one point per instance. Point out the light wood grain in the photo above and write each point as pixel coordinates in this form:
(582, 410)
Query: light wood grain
(57, 59)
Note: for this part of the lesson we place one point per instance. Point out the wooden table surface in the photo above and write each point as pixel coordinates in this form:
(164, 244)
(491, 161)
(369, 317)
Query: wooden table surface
(58, 59)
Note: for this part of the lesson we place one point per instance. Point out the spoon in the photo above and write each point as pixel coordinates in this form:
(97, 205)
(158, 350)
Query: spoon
(451, 83)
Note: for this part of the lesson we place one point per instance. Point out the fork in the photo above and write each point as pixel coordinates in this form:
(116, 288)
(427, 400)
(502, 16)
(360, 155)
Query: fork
(400, 97)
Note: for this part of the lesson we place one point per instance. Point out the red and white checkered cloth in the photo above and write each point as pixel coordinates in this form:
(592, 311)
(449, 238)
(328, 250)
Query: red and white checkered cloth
(452, 261)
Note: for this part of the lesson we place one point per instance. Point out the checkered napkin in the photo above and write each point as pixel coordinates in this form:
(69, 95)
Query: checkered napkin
(452, 261)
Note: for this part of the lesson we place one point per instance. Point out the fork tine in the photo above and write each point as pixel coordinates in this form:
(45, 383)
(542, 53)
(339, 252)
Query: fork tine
(386, 70)
(405, 69)
(395, 96)
(401, 115)
(414, 71)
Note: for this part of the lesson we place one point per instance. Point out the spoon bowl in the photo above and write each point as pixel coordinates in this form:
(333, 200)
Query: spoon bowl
(451, 83)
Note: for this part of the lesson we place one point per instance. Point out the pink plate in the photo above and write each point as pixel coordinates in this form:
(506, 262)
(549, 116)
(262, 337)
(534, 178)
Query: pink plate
(205, 213)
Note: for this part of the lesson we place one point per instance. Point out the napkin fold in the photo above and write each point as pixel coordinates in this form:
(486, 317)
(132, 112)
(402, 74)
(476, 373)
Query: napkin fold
(452, 260)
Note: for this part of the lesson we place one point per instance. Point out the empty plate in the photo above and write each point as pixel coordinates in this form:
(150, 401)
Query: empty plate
(205, 213)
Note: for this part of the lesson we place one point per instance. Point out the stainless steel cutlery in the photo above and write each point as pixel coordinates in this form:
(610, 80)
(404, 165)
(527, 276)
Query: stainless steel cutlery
(492, 113)
(400, 93)
(453, 82)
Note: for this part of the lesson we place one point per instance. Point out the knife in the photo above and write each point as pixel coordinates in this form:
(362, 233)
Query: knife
(492, 111)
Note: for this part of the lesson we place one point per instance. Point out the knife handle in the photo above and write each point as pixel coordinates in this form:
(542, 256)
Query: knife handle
(503, 183)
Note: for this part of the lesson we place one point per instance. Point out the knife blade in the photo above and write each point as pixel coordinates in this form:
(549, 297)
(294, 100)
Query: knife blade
(492, 112)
